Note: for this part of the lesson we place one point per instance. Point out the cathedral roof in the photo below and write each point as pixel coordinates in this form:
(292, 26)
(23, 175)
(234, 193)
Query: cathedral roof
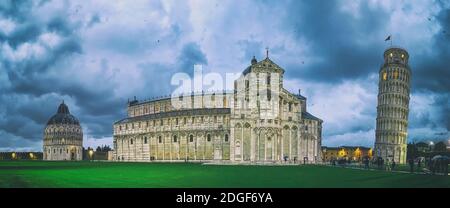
(310, 116)
(264, 64)
(63, 116)
(301, 97)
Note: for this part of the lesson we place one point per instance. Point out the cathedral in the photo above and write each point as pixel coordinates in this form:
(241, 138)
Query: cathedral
(258, 122)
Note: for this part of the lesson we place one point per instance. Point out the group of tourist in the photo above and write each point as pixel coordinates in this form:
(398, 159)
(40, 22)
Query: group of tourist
(388, 164)
(433, 166)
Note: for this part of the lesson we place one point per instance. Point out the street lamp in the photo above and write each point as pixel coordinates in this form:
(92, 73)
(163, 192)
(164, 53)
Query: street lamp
(91, 153)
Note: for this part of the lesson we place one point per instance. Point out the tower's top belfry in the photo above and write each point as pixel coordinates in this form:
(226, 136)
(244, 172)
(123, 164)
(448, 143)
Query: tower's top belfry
(396, 55)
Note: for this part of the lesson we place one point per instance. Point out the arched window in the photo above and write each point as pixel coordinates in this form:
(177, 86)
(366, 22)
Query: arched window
(226, 137)
(145, 140)
(159, 139)
(208, 137)
(131, 141)
(175, 138)
(191, 138)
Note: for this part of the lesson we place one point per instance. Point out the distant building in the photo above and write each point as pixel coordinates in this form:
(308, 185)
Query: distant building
(91, 154)
(20, 155)
(423, 147)
(355, 153)
(63, 136)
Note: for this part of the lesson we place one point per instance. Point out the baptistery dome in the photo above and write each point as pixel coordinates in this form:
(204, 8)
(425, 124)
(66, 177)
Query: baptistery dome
(63, 136)
(63, 116)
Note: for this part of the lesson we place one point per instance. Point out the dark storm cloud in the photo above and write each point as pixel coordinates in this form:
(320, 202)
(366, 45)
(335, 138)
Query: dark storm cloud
(94, 20)
(431, 74)
(333, 36)
(38, 83)
(433, 70)
(191, 54)
(250, 48)
(442, 105)
(348, 48)
(15, 9)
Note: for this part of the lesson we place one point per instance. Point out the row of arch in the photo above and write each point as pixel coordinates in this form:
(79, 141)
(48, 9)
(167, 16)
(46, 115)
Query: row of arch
(393, 112)
(391, 138)
(393, 99)
(393, 86)
(397, 73)
(59, 130)
(270, 144)
(63, 141)
(206, 145)
(62, 153)
(176, 121)
(392, 125)
(391, 152)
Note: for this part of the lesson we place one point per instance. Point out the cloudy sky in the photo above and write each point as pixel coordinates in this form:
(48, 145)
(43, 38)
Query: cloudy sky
(95, 55)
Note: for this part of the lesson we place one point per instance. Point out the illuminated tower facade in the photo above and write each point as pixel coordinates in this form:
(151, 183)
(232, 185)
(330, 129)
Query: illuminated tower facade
(393, 106)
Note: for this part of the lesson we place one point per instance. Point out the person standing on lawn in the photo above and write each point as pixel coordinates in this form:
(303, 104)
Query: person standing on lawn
(411, 165)
(388, 164)
(393, 165)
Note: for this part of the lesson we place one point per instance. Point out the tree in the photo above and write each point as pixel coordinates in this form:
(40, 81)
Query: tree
(440, 147)
(411, 151)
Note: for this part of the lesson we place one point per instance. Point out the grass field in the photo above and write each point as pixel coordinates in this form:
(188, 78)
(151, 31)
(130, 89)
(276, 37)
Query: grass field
(107, 174)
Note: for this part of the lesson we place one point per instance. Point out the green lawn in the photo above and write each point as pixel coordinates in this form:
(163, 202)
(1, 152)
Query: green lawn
(180, 175)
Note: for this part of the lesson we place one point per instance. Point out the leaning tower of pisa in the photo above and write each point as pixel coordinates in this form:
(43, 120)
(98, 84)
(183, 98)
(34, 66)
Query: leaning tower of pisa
(393, 106)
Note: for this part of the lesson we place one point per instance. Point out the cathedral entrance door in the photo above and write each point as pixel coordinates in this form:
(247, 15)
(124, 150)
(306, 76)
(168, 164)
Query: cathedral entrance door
(217, 154)
(72, 155)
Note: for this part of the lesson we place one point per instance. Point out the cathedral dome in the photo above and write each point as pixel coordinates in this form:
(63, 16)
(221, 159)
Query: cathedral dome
(63, 116)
